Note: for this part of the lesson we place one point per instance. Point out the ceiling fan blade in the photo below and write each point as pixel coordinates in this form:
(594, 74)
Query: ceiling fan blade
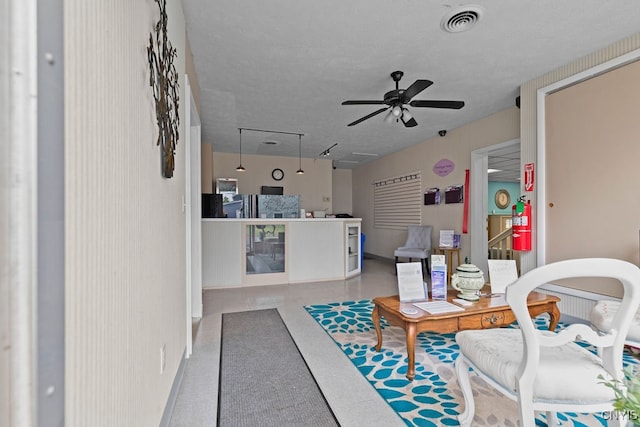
(455, 105)
(363, 102)
(417, 87)
(409, 123)
(367, 117)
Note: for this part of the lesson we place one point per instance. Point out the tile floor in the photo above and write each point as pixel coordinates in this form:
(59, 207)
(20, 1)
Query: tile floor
(353, 400)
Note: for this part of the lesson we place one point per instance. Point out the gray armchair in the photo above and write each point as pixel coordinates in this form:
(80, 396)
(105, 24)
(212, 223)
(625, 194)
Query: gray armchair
(418, 245)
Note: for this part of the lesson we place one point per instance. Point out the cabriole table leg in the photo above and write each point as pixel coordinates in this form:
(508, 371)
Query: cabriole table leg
(375, 317)
(411, 350)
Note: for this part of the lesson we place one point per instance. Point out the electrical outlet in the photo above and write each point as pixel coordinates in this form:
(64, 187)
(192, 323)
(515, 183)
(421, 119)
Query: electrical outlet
(163, 358)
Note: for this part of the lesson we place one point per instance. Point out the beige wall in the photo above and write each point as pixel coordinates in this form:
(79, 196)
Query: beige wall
(124, 224)
(342, 191)
(314, 186)
(455, 146)
(206, 169)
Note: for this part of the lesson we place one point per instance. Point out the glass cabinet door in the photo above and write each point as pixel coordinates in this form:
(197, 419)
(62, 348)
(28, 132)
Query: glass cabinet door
(265, 248)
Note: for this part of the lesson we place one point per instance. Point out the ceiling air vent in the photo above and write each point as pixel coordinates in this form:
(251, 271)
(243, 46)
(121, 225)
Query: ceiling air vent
(461, 19)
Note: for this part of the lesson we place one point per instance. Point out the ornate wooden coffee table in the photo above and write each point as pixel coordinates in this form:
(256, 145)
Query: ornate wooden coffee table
(488, 312)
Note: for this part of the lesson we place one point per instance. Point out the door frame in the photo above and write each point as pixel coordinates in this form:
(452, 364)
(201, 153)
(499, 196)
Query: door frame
(479, 204)
(192, 208)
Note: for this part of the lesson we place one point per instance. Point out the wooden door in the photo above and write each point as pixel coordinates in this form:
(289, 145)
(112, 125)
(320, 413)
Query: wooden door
(592, 173)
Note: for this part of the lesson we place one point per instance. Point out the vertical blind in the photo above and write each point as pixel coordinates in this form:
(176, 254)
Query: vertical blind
(397, 201)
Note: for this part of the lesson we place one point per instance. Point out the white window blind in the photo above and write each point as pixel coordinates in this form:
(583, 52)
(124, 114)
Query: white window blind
(397, 201)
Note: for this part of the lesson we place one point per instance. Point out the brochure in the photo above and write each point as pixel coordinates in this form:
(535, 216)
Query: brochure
(439, 281)
(438, 307)
(411, 286)
(501, 273)
(437, 260)
(446, 238)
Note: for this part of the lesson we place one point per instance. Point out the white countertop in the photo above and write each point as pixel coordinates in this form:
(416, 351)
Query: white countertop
(279, 220)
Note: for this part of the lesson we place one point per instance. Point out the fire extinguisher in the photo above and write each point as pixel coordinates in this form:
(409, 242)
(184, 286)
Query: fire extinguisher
(521, 225)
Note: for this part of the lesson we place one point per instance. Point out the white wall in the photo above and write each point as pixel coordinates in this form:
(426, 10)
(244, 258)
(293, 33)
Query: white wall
(125, 233)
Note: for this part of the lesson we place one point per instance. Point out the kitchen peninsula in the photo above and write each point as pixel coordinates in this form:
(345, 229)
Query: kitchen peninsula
(260, 251)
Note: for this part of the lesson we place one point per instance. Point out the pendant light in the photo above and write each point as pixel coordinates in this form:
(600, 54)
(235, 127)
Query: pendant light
(300, 171)
(240, 168)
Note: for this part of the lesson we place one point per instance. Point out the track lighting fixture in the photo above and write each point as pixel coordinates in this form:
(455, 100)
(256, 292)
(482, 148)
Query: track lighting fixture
(326, 152)
(300, 171)
(240, 168)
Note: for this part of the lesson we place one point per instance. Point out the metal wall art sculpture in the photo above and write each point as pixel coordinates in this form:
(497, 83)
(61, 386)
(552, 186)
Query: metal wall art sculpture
(164, 81)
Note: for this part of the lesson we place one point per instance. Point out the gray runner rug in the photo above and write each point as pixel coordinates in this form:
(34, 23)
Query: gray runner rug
(264, 381)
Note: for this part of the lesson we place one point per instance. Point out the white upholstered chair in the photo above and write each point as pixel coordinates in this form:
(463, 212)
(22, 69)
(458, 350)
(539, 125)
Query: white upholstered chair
(548, 371)
(602, 315)
(418, 245)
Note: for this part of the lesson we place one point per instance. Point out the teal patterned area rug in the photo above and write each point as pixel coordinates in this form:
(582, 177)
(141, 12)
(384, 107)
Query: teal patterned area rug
(434, 397)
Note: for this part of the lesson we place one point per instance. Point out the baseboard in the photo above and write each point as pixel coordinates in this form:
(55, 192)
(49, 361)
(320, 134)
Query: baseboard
(574, 303)
(565, 318)
(367, 255)
(175, 388)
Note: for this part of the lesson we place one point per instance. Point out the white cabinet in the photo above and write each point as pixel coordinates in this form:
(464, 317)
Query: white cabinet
(352, 249)
(313, 250)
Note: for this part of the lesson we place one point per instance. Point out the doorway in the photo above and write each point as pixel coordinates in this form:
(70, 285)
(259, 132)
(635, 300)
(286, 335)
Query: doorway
(505, 159)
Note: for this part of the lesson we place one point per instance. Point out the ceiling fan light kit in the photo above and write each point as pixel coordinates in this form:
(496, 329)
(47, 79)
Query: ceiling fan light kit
(395, 101)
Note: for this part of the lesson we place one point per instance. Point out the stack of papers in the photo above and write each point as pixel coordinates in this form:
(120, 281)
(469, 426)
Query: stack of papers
(502, 272)
(438, 307)
(446, 238)
(411, 285)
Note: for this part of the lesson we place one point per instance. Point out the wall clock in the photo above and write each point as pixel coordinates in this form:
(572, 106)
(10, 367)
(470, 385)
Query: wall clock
(502, 198)
(277, 174)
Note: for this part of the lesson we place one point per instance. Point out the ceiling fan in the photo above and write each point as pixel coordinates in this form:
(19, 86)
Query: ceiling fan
(396, 99)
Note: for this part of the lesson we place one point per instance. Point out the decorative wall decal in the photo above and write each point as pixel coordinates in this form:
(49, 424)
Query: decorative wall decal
(164, 81)
(444, 167)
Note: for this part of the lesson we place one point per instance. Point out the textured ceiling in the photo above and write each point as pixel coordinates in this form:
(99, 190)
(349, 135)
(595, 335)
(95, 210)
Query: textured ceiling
(287, 65)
